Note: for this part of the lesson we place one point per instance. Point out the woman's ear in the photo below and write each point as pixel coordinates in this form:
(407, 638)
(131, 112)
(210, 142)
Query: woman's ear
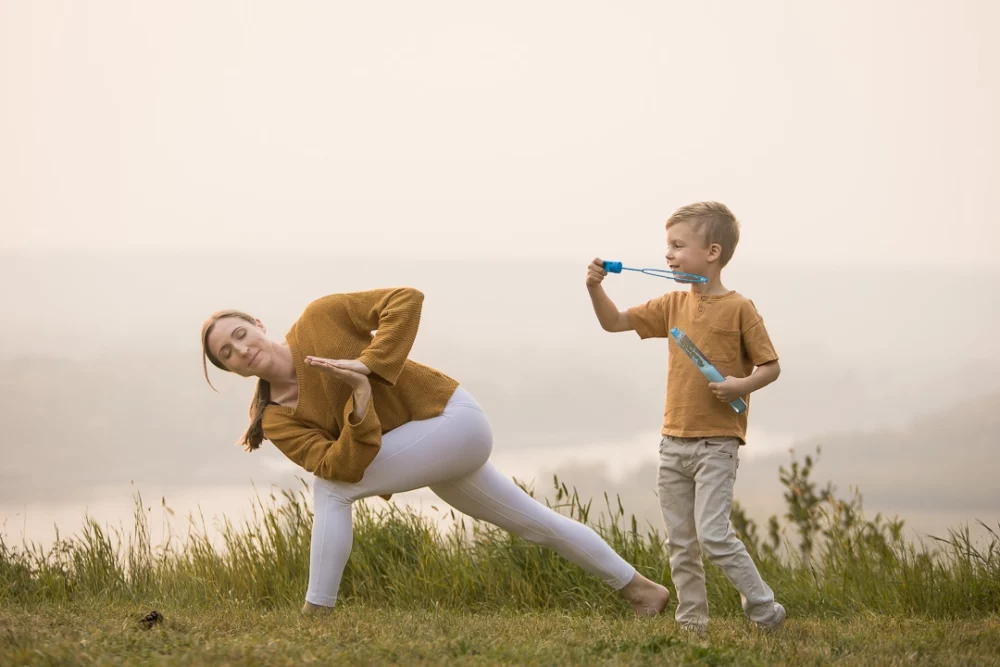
(260, 325)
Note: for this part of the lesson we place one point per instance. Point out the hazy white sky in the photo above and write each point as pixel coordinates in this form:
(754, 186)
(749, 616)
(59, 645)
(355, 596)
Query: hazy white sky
(838, 132)
(842, 132)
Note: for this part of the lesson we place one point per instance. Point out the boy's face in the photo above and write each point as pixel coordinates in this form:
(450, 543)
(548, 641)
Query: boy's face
(687, 250)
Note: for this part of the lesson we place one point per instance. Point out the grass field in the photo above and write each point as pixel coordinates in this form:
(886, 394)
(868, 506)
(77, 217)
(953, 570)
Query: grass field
(92, 633)
(856, 593)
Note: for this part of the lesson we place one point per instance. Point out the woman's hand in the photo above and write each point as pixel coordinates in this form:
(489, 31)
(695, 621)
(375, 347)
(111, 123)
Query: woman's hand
(355, 374)
(348, 364)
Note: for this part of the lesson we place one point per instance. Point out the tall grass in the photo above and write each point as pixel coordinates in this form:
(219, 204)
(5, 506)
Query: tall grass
(822, 558)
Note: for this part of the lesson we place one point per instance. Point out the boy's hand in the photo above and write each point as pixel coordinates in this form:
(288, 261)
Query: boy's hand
(595, 273)
(729, 389)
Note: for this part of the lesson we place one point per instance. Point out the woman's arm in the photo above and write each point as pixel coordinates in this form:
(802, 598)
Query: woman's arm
(343, 458)
(395, 314)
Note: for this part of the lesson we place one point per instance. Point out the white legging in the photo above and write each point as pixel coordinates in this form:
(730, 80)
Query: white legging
(450, 454)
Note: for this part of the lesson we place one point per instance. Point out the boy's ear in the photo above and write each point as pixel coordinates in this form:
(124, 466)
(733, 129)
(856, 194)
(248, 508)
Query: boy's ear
(714, 252)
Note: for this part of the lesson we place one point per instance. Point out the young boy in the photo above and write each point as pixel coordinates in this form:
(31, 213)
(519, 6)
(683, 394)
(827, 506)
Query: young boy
(699, 452)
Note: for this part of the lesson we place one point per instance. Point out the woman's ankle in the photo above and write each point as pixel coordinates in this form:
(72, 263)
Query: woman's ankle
(310, 608)
(647, 598)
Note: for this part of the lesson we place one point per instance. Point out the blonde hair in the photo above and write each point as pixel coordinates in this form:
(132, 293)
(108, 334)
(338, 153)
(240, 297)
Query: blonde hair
(715, 221)
(254, 434)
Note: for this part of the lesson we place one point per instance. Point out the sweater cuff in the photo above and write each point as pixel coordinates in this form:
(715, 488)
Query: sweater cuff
(370, 422)
(381, 372)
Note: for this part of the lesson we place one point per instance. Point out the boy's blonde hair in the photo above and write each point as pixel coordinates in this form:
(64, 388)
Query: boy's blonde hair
(715, 221)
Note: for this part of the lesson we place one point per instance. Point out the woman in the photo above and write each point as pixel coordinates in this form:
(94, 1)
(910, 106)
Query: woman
(349, 407)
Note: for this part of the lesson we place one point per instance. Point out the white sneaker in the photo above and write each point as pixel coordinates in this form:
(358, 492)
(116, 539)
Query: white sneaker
(775, 621)
(695, 628)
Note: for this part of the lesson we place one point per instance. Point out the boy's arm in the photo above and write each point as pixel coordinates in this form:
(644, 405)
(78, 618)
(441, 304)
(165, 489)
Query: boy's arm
(761, 353)
(732, 388)
(762, 376)
(607, 312)
(608, 315)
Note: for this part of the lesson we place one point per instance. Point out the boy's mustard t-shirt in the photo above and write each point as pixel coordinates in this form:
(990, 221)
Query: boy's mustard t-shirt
(728, 329)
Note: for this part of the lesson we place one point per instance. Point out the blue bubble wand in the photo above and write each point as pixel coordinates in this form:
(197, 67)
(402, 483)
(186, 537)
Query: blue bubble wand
(679, 276)
(710, 372)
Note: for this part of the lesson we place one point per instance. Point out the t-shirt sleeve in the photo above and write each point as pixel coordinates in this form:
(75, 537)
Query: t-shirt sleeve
(651, 319)
(756, 340)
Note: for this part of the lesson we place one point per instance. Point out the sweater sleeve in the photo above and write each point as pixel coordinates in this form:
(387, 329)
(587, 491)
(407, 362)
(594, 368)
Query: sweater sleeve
(395, 314)
(342, 459)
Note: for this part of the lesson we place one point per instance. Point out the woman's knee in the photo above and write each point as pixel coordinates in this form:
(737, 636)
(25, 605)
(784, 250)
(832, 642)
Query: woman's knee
(325, 490)
(477, 432)
(485, 442)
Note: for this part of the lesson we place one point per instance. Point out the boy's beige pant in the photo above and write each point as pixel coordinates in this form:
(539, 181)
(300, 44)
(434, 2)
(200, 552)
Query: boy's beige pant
(695, 483)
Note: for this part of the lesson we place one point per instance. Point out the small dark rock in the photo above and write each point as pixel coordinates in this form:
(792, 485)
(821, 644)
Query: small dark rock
(151, 619)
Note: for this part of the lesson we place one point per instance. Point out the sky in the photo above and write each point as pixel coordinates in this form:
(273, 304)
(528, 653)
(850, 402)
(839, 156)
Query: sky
(839, 133)
(159, 161)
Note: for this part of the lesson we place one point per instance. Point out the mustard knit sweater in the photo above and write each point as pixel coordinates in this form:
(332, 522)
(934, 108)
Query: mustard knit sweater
(317, 433)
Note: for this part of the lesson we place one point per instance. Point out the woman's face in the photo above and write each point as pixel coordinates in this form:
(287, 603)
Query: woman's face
(240, 345)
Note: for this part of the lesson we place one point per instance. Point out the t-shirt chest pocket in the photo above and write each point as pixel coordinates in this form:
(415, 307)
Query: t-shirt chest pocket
(721, 345)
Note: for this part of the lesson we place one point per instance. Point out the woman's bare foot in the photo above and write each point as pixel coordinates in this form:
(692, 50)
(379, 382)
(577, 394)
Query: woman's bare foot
(312, 609)
(647, 598)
